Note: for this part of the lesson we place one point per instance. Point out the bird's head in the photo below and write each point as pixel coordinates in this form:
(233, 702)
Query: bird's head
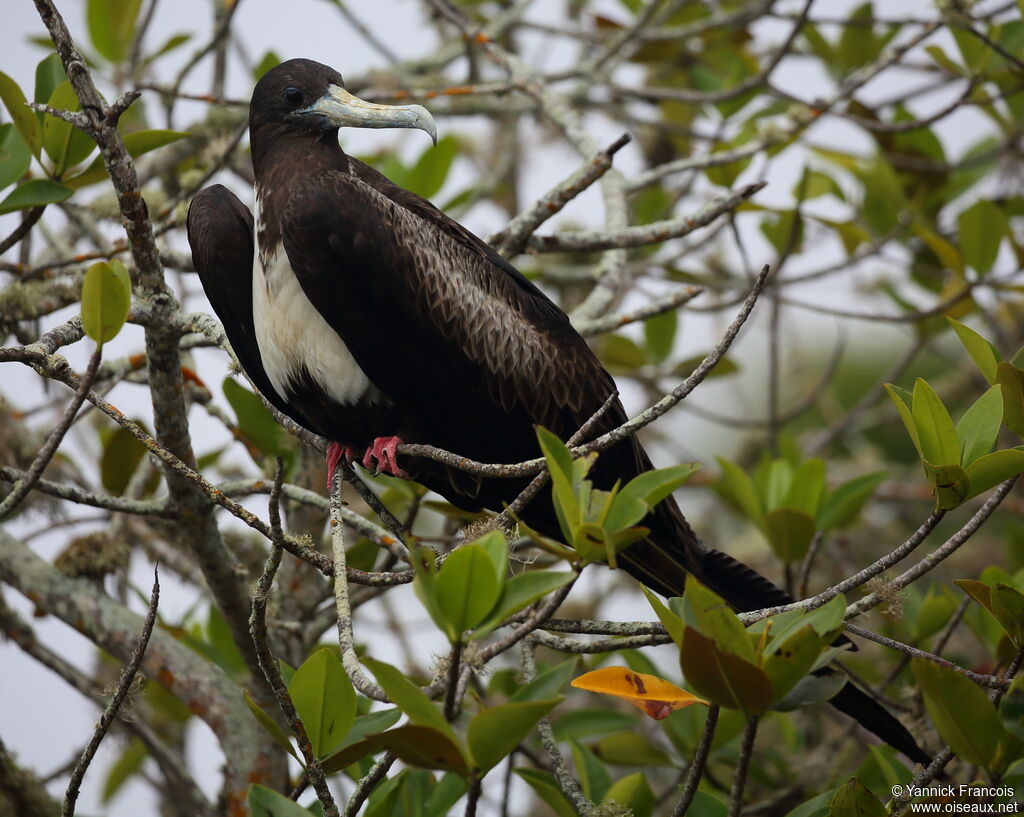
(309, 96)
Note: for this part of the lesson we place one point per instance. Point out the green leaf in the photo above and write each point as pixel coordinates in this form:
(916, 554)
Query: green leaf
(855, 800)
(425, 747)
(585, 723)
(789, 659)
(630, 749)
(1011, 381)
(979, 426)
(672, 623)
(633, 792)
(65, 144)
(723, 677)
(816, 183)
(325, 700)
(988, 471)
(444, 795)
(660, 335)
(268, 723)
(264, 802)
(497, 730)
(1008, 609)
(789, 533)
(520, 592)
(843, 504)
(106, 299)
(549, 683)
(427, 176)
(122, 453)
(738, 487)
(254, 421)
(939, 442)
(639, 496)
(136, 143)
(806, 488)
(111, 26)
(15, 156)
(34, 193)
(950, 483)
(593, 776)
(408, 697)
(124, 768)
(815, 807)
(22, 116)
(547, 789)
(466, 589)
(560, 466)
(49, 74)
(981, 229)
(961, 711)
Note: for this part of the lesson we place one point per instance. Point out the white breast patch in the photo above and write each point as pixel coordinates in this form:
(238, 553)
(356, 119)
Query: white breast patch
(293, 336)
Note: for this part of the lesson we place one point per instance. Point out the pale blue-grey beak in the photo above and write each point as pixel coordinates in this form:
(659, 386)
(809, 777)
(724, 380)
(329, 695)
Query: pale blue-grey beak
(343, 109)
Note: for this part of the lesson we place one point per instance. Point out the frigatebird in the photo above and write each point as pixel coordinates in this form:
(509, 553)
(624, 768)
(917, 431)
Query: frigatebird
(370, 317)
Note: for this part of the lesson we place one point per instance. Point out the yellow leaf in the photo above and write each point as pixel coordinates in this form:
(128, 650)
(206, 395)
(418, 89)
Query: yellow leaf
(648, 693)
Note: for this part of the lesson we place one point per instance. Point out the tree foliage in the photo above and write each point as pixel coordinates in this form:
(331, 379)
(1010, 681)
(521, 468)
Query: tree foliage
(870, 157)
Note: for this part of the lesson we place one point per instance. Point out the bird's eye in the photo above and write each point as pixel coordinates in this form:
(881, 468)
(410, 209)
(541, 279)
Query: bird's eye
(293, 96)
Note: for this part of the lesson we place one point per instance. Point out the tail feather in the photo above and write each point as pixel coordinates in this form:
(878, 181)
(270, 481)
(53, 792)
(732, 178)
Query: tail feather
(662, 562)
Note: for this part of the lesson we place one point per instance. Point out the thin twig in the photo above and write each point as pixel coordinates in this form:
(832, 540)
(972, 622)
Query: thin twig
(367, 783)
(111, 710)
(739, 780)
(700, 759)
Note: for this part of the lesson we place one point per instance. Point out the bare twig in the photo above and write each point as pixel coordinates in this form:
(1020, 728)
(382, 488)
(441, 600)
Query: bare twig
(700, 759)
(111, 710)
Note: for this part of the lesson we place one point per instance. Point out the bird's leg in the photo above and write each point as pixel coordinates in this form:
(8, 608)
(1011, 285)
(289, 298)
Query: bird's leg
(384, 451)
(335, 454)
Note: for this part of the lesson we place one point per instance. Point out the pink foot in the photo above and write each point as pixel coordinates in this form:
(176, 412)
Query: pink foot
(335, 454)
(384, 451)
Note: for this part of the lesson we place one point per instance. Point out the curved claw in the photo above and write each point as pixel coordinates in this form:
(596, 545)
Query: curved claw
(385, 451)
(335, 454)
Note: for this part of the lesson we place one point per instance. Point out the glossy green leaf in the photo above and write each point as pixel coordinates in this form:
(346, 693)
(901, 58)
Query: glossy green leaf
(466, 589)
(817, 806)
(853, 799)
(408, 697)
(789, 533)
(979, 426)
(585, 723)
(1011, 380)
(988, 471)
(961, 711)
(902, 399)
(127, 765)
(496, 548)
(49, 74)
(254, 421)
(325, 700)
(793, 657)
(268, 723)
(497, 730)
(136, 143)
(672, 623)
(15, 156)
(122, 453)
(349, 754)
(106, 299)
(815, 184)
(560, 466)
(939, 443)
(22, 116)
(427, 176)
(981, 229)
(633, 792)
(593, 776)
(660, 335)
(520, 592)
(444, 795)
(548, 683)
(708, 613)
(842, 505)
(1007, 605)
(34, 193)
(425, 747)
(547, 789)
(65, 144)
(723, 677)
(738, 487)
(950, 484)
(265, 802)
(639, 496)
(630, 749)
(806, 488)
(111, 26)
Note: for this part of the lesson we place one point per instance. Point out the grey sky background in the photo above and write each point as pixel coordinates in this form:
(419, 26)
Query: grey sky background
(40, 717)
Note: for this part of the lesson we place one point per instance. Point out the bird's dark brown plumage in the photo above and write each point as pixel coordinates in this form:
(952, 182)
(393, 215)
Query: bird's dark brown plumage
(466, 353)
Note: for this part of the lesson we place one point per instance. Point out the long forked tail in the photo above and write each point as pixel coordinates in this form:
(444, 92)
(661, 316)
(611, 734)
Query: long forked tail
(664, 568)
